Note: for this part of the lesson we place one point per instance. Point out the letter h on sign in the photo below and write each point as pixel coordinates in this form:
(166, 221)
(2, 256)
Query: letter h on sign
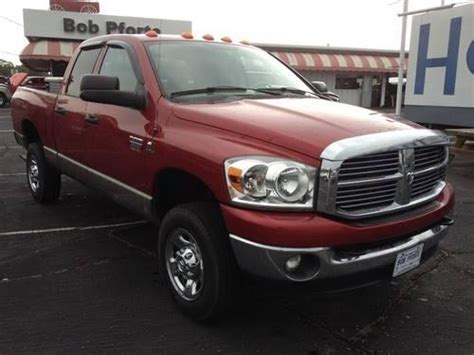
(450, 62)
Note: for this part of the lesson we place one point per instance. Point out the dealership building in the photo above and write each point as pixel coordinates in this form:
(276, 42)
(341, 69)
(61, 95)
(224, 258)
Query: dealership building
(359, 76)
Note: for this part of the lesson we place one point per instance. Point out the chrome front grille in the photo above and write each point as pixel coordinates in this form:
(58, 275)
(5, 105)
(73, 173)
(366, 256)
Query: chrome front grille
(376, 194)
(382, 181)
(370, 166)
(429, 156)
(425, 183)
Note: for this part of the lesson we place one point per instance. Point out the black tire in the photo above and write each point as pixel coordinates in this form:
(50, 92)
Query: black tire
(47, 177)
(3, 100)
(203, 221)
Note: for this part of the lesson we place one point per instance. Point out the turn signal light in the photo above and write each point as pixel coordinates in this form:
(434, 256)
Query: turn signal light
(208, 37)
(226, 39)
(151, 33)
(187, 35)
(235, 178)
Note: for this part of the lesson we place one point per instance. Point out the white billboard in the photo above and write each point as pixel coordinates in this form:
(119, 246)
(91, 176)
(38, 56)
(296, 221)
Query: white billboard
(81, 26)
(441, 60)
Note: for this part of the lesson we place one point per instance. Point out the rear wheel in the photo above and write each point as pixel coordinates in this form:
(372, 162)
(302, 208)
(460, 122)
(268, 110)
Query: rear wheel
(3, 100)
(43, 179)
(196, 260)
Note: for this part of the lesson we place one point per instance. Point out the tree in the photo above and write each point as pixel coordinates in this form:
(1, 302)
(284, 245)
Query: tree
(6, 67)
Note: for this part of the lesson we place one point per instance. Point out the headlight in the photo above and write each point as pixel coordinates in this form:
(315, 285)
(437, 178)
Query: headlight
(268, 182)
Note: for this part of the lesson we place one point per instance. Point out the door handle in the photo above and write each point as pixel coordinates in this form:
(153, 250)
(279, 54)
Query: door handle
(136, 143)
(60, 110)
(92, 119)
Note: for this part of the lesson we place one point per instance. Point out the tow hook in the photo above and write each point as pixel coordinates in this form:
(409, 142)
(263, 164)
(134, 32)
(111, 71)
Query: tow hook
(447, 221)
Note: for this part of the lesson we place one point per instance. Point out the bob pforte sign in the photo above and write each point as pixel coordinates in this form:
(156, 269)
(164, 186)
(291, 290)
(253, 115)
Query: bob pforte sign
(440, 81)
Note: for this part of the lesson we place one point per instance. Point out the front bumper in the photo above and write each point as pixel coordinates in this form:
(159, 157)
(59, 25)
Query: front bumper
(311, 229)
(327, 262)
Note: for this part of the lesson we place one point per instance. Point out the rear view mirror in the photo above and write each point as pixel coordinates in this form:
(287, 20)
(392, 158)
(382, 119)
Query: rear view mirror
(106, 90)
(320, 86)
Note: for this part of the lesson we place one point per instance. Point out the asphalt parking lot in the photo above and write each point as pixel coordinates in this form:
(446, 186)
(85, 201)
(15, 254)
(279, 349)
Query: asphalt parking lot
(80, 276)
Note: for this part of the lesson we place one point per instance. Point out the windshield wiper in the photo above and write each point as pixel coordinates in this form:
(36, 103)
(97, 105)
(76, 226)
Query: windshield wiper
(285, 89)
(214, 89)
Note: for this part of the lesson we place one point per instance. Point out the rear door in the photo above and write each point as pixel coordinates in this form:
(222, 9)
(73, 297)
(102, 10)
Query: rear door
(69, 112)
(117, 135)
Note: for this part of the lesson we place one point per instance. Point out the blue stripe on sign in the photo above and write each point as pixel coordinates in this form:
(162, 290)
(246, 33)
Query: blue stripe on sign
(450, 62)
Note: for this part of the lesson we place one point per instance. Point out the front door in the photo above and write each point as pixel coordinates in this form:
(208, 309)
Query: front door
(117, 135)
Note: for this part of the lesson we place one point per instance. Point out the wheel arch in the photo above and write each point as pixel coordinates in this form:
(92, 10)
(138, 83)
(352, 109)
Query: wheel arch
(174, 186)
(30, 132)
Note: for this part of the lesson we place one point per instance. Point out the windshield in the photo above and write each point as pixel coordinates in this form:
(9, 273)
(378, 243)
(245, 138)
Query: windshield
(184, 67)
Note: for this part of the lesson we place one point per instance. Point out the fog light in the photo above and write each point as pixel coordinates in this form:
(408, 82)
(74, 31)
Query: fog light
(293, 263)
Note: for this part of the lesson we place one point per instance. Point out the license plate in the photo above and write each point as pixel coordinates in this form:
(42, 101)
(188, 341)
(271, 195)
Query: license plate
(407, 260)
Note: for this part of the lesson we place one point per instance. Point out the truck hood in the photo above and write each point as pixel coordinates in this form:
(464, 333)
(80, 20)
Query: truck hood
(304, 125)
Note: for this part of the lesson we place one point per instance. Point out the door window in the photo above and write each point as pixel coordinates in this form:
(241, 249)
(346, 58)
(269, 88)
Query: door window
(85, 63)
(117, 63)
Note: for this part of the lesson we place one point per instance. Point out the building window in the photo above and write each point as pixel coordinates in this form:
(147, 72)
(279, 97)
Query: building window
(348, 83)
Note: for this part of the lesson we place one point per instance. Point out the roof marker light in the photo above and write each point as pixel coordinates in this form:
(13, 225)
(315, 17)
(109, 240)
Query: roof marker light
(151, 33)
(208, 37)
(226, 39)
(187, 35)
(247, 43)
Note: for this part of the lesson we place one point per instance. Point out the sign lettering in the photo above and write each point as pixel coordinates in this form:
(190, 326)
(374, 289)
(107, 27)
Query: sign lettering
(111, 27)
(450, 62)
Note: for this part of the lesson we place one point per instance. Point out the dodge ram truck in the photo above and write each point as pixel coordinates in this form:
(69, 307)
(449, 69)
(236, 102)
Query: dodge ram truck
(241, 162)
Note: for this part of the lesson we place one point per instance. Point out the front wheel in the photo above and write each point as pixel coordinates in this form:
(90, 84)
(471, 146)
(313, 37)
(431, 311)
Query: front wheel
(196, 260)
(43, 179)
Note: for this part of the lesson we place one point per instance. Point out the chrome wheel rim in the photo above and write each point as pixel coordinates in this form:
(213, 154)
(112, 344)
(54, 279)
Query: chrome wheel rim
(184, 264)
(33, 174)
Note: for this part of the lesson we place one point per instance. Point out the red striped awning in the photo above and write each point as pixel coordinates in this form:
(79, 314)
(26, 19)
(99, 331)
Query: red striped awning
(340, 62)
(49, 50)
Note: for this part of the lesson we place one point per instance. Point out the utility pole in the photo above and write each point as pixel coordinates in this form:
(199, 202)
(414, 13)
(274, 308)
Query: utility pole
(401, 69)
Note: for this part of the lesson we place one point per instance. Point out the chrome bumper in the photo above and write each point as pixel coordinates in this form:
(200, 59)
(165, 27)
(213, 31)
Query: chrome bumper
(325, 263)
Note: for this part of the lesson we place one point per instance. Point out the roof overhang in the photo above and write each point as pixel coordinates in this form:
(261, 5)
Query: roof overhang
(339, 62)
(38, 55)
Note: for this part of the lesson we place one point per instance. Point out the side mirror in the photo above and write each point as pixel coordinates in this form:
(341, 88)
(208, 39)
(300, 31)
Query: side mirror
(106, 90)
(320, 86)
(332, 96)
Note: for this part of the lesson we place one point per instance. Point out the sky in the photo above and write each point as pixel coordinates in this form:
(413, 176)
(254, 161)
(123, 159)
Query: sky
(336, 23)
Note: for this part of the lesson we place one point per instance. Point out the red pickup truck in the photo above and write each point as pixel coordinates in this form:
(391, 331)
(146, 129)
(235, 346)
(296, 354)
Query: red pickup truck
(243, 163)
